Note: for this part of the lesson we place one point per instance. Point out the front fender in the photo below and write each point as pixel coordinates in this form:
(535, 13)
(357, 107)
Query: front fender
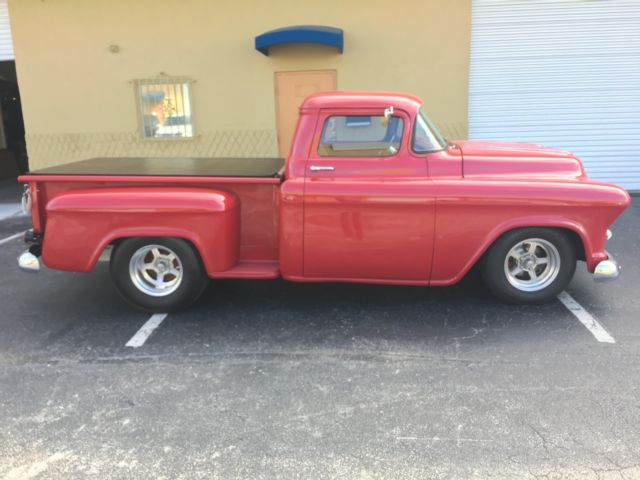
(472, 214)
(81, 223)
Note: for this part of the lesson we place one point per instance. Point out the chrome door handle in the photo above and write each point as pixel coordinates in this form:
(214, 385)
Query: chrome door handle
(321, 168)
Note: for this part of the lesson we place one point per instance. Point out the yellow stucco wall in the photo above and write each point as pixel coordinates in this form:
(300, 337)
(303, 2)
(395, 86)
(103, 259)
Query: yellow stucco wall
(78, 99)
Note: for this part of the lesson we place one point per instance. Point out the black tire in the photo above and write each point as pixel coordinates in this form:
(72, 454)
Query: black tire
(139, 290)
(512, 287)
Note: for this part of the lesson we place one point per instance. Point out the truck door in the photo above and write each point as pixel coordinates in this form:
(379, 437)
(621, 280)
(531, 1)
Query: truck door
(369, 204)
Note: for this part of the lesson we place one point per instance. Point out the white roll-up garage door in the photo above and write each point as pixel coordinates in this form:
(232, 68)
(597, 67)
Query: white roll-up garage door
(6, 42)
(561, 73)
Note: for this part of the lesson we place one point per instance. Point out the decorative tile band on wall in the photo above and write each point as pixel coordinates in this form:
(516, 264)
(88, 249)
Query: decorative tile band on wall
(53, 149)
(453, 131)
(46, 150)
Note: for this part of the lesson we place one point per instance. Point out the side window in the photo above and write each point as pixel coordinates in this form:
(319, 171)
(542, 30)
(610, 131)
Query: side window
(360, 136)
(426, 138)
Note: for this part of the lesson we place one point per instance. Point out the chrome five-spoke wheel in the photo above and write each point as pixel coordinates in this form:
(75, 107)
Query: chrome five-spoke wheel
(532, 264)
(155, 270)
(158, 273)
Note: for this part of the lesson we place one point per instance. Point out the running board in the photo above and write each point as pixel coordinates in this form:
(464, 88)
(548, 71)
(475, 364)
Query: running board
(249, 269)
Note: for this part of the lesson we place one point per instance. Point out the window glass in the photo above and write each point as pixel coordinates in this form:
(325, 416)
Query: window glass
(165, 108)
(426, 138)
(361, 136)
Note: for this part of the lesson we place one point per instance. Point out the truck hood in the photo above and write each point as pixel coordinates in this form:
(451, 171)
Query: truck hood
(496, 159)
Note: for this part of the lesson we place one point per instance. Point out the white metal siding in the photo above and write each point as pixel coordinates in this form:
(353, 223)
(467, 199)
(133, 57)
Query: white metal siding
(6, 42)
(562, 73)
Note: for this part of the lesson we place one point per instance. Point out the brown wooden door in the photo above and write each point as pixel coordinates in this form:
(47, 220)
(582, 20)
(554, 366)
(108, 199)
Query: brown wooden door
(291, 89)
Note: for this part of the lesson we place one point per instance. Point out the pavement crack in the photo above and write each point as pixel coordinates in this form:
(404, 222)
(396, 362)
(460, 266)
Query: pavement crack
(543, 440)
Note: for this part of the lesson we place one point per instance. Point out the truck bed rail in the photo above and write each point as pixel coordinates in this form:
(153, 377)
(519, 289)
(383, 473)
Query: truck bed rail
(171, 167)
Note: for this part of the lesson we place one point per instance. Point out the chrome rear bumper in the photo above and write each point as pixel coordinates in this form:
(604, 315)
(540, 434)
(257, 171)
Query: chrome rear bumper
(28, 262)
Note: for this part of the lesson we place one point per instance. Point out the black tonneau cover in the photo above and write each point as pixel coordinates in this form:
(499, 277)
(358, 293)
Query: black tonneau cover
(189, 167)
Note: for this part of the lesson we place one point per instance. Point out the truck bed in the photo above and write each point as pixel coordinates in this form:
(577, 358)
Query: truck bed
(188, 167)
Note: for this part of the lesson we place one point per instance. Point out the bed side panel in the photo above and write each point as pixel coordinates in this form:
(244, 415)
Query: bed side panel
(82, 222)
(258, 199)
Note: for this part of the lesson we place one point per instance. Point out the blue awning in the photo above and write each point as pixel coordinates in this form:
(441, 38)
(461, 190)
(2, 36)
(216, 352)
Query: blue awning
(330, 36)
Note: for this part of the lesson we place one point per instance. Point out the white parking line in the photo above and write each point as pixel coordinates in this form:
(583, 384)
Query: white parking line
(12, 237)
(8, 210)
(147, 329)
(33, 470)
(596, 329)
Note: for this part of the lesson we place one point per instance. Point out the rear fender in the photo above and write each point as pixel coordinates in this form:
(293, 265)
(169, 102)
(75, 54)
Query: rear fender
(81, 223)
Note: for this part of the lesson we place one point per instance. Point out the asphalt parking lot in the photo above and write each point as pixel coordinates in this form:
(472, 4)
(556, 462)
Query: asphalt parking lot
(268, 379)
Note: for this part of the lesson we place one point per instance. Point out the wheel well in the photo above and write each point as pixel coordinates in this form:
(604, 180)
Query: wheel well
(114, 244)
(575, 239)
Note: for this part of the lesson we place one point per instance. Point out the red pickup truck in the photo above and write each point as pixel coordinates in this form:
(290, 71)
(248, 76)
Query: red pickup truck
(371, 192)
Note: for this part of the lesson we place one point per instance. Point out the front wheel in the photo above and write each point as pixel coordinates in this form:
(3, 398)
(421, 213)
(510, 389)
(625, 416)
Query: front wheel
(158, 274)
(529, 265)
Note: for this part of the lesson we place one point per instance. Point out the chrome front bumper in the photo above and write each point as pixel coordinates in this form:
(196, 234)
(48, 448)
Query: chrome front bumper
(608, 269)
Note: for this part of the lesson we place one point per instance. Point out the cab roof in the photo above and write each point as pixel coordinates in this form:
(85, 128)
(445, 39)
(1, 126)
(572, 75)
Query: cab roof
(361, 100)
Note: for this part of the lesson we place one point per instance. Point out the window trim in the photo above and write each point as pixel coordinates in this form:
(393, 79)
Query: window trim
(413, 136)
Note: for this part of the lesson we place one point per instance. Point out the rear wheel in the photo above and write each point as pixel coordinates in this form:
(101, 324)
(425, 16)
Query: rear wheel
(158, 274)
(529, 265)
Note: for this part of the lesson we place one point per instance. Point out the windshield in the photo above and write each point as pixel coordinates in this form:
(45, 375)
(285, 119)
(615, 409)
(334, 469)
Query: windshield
(426, 137)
